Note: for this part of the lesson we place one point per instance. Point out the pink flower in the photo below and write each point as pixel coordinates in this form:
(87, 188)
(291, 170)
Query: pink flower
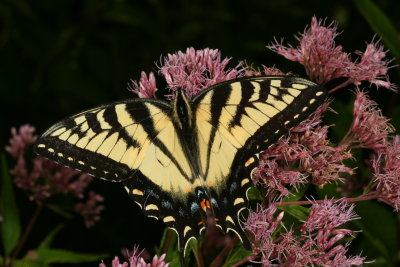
(317, 52)
(251, 71)
(262, 224)
(329, 214)
(324, 61)
(45, 178)
(275, 179)
(195, 70)
(386, 168)
(90, 209)
(305, 155)
(317, 242)
(135, 260)
(372, 67)
(21, 140)
(146, 87)
(369, 128)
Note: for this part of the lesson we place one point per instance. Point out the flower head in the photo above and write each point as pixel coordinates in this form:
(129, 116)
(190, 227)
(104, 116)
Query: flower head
(370, 128)
(262, 223)
(324, 61)
(43, 178)
(318, 241)
(251, 71)
(145, 87)
(328, 214)
(195, 70)
(372, 67)
(90, 209)
(317, 52)
(386, 169)
(135, 260)
(21, 140)
(305, 155)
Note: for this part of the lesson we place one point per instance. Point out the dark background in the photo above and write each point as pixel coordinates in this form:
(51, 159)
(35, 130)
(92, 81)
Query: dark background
(60, 57)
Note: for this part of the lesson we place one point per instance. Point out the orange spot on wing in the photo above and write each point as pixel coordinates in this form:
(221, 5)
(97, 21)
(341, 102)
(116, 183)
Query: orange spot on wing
(249, 161)
(204, 204)
(137, 192)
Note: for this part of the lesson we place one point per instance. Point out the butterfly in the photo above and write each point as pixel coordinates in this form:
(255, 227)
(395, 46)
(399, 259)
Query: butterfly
(177, 160)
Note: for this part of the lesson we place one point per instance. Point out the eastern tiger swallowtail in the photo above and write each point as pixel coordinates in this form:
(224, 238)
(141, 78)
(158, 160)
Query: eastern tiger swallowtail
(176, 160)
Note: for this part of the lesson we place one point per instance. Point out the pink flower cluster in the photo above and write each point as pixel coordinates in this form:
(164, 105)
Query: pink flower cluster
(386, 169)
(90, 210)
(370, 129)
(135, 260)
(145, 87)
(305, 152)
(318, 241)
(46, 178)
(192, 71)
(324, 61)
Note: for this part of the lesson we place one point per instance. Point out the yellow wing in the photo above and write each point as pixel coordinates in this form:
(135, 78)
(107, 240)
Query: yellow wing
(235, 121)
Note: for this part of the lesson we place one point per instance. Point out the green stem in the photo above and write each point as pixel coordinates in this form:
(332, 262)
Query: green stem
(248, 258)
(26, 233)
(372, 195)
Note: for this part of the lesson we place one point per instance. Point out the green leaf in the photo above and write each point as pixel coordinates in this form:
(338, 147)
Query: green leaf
(49, 238)
(169, 239)
(296, 194)
(194, 247)
(379, 228)
(297, 211)
(27, 263)
(48, 255)
(236, 254)
(380, 24)
(254, 194)
(60, 211)
(10, 226)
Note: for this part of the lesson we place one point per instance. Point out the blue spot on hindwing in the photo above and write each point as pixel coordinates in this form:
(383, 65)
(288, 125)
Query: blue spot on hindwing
(214, 202)
(194, 207)
(233, 187)
(152, 193)
(166, 204)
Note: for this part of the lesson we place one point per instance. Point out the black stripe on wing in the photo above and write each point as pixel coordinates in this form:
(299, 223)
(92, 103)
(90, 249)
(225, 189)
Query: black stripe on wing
(246, 91)
(84, 127)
